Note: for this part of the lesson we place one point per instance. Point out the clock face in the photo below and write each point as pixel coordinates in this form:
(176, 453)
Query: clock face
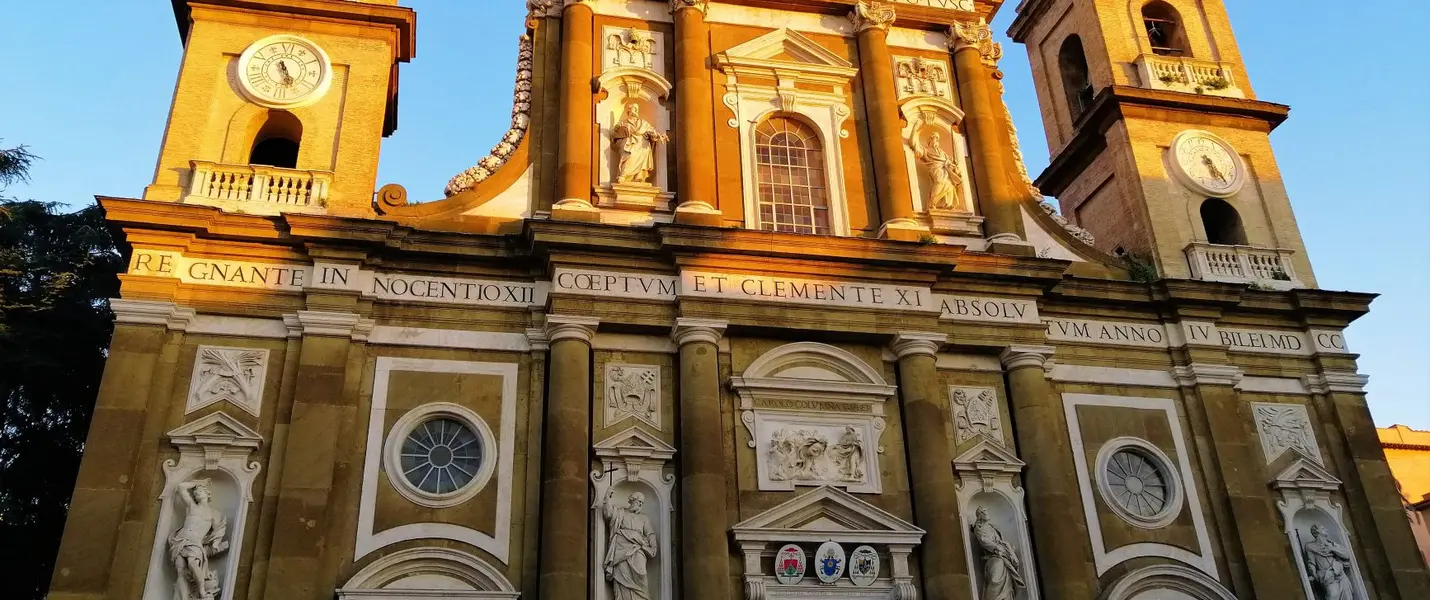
(284, 71)
(1207, 164)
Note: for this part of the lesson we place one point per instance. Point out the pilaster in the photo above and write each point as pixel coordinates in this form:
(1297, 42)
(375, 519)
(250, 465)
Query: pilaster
(705, 568)
(694, 116)
(565, 491)
(1059, 529)
(925, 418)
(975, 57)
(891, 179)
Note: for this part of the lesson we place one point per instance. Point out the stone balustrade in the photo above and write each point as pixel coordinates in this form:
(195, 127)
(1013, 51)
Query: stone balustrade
(1182, 74)
(258, 189)
(1265, 267)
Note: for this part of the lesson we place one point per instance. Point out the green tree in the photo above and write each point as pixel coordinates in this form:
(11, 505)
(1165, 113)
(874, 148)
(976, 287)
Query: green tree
(57, 273)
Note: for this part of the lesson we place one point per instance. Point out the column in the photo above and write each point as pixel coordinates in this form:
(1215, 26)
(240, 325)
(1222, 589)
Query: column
(1054, 503)
(1255, 523)
(705, 565)
(565, 459)
(1371, 485)
(975, 54)
(925, 417)
(298, 553)
(694, 116)
(573, 177)
(886, 138)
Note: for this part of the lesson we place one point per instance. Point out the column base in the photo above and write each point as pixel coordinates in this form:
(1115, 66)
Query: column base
(575, 209)
(699, 213)
(903, 230)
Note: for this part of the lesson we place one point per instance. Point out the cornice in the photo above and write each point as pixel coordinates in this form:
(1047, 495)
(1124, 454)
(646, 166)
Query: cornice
(1197, 374)
(1090, 138)
(401, 18)
(149, 312)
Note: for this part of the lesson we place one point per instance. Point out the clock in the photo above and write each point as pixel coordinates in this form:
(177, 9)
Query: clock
(1207, 164)
(284, 71)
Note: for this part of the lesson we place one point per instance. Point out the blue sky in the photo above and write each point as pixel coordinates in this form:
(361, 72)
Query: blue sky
(88, 83)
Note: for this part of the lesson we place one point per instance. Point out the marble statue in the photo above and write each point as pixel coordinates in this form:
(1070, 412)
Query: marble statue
(193, 545)
(798, 455)
(1002, 573)
(632, 542)
(1329, 566)
(942, 170)
(636, 138)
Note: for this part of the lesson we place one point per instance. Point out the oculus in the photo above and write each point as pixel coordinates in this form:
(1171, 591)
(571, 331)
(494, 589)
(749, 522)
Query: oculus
(438, 455)
(284, 71)
(1137, 482)
(1207, 164)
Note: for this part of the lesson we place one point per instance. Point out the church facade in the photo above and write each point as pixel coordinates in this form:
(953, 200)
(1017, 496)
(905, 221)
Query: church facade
(754, 300)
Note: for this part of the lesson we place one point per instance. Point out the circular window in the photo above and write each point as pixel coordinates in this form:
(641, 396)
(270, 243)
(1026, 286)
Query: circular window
(1138, 483)
(437, 455)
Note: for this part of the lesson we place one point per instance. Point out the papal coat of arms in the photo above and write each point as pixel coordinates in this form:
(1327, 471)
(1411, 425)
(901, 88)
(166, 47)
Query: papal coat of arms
(829, 563)
(789, 564)
(863, 566)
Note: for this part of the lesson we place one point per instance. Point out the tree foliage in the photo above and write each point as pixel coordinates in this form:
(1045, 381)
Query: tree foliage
(57, 272)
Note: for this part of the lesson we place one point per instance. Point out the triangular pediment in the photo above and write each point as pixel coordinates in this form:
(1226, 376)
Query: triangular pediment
(986, 454)
(634, 441)
(1298, 471)
(785, 49)
(216, 429)
(827, 513)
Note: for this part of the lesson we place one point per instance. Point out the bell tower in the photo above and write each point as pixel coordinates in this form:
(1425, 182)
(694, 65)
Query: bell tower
(281, 105)
(1159, 145)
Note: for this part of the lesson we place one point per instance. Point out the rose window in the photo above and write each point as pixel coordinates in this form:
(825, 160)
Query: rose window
(441, 456)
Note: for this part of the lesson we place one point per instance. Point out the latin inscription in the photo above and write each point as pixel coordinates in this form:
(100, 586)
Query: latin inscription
(607, 283)
(813, 405)
(996, 310)
(1268, 342)
(964, 5)
(456, 291)
(762, 288)
(1107, 333)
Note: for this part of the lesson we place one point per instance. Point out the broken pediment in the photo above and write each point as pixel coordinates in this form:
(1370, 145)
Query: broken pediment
(827, 513)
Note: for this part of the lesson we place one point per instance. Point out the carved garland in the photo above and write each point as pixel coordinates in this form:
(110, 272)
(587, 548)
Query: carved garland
(520, 119)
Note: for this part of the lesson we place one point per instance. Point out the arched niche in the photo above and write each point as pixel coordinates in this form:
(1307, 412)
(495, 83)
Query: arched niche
(924, 118)
(622, 87)
(1307, 505)
(990, 484)
(214, 449)
(1167, 582)
(634, 461)
(815, 415)
(427, 573)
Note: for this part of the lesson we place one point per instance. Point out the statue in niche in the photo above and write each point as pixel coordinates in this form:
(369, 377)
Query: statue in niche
(942, 170)
(848, 454)
(1329, 566)
(636, 138)
(1002, 573)
(632, 542)
(193, 545)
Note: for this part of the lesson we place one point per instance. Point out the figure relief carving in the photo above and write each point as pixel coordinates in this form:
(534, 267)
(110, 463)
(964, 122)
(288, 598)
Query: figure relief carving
(1284, 427)
(196, 542)
(228, 374)
(632, 391)
(1328, 565)
(918, 76)
(632, 48)
(868, 14)
(975, 412)
(1002, 571)
(800, 454)
(942, 169)
(635, 138)
(632, 542)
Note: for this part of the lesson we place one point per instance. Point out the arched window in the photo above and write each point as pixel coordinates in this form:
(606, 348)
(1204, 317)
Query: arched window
(276, 143)
(1222, 223)
(789, 163)
(1072, 62)
(1164, 29)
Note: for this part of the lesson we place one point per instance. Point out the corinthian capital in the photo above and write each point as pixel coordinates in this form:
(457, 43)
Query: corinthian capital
(976, 36)
(870, 14)
(700, 5)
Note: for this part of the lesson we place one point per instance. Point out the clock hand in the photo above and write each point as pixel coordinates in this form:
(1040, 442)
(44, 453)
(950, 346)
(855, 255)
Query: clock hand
(283, 69)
